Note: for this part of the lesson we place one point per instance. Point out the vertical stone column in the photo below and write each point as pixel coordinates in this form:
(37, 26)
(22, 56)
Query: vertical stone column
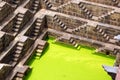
(117, 62)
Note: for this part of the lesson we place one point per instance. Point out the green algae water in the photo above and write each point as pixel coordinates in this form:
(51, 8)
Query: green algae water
(63, 62)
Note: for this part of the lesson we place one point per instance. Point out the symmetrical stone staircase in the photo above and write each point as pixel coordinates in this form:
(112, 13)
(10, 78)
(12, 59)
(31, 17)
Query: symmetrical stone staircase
(35, 5)
(85, 10)
(48, 4)
(102, 32)
(79, 28)
(107, 14)
(62, 25)
(18, 22)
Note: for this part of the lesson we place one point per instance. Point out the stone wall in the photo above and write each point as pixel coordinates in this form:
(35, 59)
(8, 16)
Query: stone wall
(107, 2)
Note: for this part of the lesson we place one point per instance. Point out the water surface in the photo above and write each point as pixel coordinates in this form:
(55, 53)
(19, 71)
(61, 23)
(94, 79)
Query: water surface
(63, 62)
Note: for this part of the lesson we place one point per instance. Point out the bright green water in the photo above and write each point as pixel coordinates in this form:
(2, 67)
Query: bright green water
(63, 62)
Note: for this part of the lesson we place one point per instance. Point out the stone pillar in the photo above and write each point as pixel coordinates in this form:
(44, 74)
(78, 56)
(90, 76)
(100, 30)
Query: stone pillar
(117, 62)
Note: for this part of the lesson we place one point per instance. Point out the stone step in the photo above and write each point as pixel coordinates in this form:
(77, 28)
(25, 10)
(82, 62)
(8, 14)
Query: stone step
(105, 35)
(65, 27)
(100, 30)
(107, 38)
(17, 26)
(19, 48)
(20, 15)
(37, 31)
(38, 54)
(39, 20)
(45, 1)
(36, 5)
(36, 2)
(62, 25)
(18, 51)
(81, 5)
(90, 15)
(20, 75)
(76, 45)
(16, 55)
(58, 20)
(15, 59)
(49, 5)
(19, 18)
(55, 17)
(35, 34)
(16, 30)
(20, 44)
(39, 51)
(18, 22)
(37, 27)
(86, 10)
(18, 78)
(37, 24)
(71, 40)
(40, 47)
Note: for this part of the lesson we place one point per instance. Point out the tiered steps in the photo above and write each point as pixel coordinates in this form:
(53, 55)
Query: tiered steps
(85, 10)
(62, 25)
(37, 27)
(107, 14)
(79, 28)
(64, 5)
(48, 4)
(19, 76)
(74, 43)
(35, 5)
(39, 50)
(102, 32)
(18, 51)
(18, 22)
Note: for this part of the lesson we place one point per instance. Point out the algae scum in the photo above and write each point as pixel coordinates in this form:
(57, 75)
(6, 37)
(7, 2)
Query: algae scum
(63, 62)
